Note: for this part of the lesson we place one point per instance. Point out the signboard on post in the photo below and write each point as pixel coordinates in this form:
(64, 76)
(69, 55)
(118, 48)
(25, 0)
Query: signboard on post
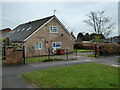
(97, 37)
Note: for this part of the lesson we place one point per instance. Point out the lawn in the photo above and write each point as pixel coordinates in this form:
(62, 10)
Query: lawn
(83, 50)
(89, 75)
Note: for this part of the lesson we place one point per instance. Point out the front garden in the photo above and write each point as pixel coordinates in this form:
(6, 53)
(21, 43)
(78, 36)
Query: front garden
(90, 75)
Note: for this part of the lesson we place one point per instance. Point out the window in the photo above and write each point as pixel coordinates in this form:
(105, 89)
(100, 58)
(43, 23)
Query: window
(23, 29)
(53, 29)
(38, 46)
(28, 28)
(56, 44)
(18, 30)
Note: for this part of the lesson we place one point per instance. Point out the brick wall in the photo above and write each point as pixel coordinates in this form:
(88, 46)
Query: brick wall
(13, 56)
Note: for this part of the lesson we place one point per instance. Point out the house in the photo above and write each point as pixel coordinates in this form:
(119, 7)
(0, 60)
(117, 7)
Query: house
(39, 35)
(6, 30)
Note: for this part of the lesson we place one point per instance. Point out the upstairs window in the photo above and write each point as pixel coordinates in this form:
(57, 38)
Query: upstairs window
(56, 44)
(38, 46)
(53, 29)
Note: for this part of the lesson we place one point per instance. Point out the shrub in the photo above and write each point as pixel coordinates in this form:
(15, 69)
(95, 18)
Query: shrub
(78, 46)
(88, 47)
(109, 49)
(83, 46)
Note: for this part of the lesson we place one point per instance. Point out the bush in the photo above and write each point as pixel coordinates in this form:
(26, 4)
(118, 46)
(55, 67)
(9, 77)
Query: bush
(109, 49)
(83, 46)
(78, 46)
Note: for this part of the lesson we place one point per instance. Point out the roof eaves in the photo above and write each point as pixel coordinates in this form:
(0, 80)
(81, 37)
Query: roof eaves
(64, 28)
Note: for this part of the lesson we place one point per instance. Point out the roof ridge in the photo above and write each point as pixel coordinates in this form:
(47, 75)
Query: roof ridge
(38, 19)
(34, 21)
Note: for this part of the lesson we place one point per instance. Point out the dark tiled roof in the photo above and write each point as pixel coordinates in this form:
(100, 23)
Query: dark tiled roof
(22, 31)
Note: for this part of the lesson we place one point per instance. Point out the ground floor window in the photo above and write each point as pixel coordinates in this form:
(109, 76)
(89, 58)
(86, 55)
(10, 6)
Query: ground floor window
(38, 46)
(56, 44)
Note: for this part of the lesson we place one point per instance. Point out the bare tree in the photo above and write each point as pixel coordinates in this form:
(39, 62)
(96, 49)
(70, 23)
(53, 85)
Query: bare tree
(100, 23)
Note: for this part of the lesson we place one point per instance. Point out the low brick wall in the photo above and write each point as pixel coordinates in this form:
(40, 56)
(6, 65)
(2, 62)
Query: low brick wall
(13, 56)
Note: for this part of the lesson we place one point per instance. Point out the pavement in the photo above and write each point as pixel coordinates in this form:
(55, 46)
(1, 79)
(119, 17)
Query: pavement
(11, 75)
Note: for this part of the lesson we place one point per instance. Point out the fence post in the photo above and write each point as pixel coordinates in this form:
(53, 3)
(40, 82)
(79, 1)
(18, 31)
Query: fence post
(67, 53)
(39, 54)
(24, 54)
(49, 53)
(76, 53)
(3, 51)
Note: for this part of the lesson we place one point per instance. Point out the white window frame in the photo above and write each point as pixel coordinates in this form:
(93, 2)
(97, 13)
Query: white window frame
(38, 46)
(52, 29)
(55, 44)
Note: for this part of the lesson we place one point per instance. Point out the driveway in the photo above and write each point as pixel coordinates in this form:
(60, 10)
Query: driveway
(11, 75)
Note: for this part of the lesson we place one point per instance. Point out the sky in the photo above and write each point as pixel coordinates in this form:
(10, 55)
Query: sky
(71, 14)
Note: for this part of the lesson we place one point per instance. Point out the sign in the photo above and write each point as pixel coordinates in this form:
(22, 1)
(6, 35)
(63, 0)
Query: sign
(97, 37)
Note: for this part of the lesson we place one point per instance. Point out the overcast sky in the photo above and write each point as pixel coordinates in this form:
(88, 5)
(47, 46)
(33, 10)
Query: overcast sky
(71, 14)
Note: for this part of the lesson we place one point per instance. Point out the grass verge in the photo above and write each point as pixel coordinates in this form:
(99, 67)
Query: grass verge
(89, 75)
(92, 55)
(35, 60)
(82, 50)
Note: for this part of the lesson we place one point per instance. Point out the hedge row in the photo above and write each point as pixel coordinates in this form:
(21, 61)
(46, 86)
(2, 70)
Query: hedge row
(109, 49)
(82, 46)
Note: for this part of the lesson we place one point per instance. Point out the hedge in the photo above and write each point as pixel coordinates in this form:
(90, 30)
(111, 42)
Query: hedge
(78, 46)
(109, 49)
(82, 46)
